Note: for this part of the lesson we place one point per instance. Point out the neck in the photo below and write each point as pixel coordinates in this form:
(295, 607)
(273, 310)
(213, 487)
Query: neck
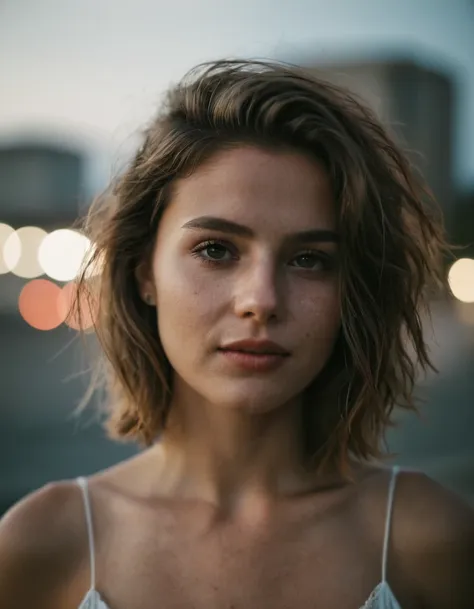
(232, 457)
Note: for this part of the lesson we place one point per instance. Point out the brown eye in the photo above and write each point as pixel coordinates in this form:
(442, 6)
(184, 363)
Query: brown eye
(307, 261)
(314, 261)
(216, 251)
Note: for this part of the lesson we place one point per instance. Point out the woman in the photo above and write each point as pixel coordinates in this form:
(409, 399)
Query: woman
(263, 264)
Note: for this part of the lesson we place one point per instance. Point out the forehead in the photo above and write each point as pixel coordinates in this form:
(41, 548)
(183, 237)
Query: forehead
(263, 189)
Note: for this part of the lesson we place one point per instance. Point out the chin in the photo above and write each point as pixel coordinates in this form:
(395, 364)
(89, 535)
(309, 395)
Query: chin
(253, 400)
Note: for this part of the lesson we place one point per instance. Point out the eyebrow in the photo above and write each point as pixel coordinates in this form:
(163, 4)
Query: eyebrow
(233, 228)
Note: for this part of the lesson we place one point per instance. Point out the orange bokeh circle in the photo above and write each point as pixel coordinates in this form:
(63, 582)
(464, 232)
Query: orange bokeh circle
(67, 306)
(38, 304)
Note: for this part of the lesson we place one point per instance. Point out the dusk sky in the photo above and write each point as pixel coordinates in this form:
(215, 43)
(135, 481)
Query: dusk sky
(95, 69)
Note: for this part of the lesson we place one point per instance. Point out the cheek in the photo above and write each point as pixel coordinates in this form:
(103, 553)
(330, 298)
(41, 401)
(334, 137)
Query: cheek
(183, 301)
(178, 300)
(320, 315)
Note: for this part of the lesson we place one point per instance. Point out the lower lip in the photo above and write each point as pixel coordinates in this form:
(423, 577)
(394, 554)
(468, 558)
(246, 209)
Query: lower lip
(264, 362)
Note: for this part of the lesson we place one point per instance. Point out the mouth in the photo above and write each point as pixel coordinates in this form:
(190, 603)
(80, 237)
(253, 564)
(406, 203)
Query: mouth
(255, 356)
(254, 353)
(254, 347)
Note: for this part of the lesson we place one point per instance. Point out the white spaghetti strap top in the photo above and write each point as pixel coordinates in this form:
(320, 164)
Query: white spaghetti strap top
(381, 597)
(92, 599)
(388, 520)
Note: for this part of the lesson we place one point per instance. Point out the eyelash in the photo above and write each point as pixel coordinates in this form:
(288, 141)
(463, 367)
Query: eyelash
(325, 258)
(197, 251)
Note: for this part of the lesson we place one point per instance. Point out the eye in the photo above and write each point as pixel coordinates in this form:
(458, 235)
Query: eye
(311, 261)
(213, 251)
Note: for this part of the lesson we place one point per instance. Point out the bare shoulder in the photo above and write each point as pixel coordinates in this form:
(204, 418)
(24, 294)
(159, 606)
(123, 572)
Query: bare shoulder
(422, 498)
(41, 547)
(433, 539)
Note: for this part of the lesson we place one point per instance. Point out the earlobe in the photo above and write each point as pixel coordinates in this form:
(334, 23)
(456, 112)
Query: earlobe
(146, 288)
(149, 299)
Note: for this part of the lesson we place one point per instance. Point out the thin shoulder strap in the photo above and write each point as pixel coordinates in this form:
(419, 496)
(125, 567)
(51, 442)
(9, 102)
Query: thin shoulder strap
(388, 519)
(82, 482)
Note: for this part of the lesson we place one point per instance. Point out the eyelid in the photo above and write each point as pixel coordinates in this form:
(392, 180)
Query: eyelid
(326, 259)
(314, 252)
(203, 243)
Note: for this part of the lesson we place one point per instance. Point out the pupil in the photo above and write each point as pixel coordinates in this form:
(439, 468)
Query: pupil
(216, 251)
(306, 260)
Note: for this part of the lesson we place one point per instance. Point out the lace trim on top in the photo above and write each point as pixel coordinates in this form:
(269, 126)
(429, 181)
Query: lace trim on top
(381, 597)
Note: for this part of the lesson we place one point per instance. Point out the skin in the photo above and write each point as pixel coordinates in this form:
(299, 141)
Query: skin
(223, 512)
(238, 432)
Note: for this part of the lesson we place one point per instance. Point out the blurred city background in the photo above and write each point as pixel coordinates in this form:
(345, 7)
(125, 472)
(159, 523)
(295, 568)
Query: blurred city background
(78, 79)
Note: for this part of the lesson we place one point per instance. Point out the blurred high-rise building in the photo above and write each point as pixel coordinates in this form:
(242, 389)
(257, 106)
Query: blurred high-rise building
(416, 103)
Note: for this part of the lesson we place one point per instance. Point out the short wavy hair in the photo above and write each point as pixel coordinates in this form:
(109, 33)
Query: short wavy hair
(391, 249)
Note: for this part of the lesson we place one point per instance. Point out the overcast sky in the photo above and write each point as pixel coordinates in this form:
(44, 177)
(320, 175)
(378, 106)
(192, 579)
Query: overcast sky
(95, 68)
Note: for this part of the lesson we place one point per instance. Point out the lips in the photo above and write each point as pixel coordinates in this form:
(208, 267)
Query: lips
(256, 347)
(254, 357)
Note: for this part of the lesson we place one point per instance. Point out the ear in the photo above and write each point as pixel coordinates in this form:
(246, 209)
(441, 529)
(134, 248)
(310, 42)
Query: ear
(145, 283)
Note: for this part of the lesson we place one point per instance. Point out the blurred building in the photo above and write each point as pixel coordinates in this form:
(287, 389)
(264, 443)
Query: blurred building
(464, 223)
(416, 103)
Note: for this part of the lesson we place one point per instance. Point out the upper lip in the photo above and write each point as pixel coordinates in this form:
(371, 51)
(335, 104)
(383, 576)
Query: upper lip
(266, 347)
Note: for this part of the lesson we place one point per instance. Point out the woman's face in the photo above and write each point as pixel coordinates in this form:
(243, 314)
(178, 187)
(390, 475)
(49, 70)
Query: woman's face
(247, 251)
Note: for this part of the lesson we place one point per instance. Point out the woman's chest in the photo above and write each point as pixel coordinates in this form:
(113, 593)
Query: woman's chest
(234, 568)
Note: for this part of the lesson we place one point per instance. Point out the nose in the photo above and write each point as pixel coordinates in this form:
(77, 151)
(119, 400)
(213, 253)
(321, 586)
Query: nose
(257, 294)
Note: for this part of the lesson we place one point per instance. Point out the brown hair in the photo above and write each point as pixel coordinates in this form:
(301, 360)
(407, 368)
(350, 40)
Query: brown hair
(392, 242)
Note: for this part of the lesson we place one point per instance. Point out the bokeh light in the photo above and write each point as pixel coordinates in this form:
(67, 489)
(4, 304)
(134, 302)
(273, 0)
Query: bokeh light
(21, 251)
(62, 252)
(67, 304)
(12, 251)
(38, 304)
(461, 279)
(94, 268)
(5, 232)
